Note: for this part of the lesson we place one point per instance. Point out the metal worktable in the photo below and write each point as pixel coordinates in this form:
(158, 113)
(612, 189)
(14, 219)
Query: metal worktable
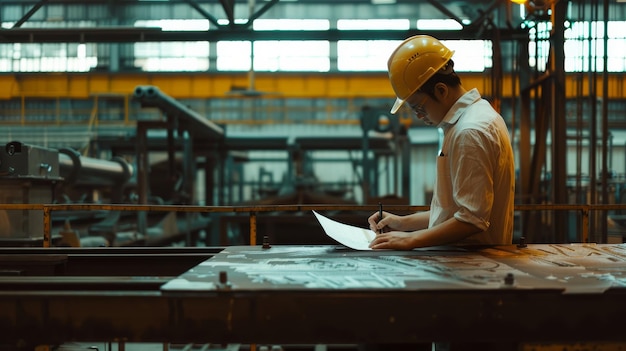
(328, 294)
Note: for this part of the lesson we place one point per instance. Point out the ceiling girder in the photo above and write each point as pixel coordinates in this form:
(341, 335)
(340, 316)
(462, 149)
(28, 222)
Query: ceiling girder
(135, 34)
(30, 13)
(233, 31)
(203, 12)
(229, 8)
(443, 9)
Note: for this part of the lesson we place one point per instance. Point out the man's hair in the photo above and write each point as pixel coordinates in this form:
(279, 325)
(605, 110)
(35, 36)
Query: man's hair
(446, 75)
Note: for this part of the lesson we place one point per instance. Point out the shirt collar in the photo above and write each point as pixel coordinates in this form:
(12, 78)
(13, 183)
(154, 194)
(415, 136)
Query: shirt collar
(456, 111)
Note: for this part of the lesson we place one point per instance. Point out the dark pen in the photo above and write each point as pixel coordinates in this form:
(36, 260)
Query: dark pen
(380, 215)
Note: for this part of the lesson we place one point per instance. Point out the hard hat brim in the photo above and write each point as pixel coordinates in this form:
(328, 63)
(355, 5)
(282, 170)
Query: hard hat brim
(396, 106)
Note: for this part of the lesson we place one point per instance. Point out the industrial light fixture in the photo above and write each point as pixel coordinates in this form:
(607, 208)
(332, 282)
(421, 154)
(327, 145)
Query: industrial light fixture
(519, 2)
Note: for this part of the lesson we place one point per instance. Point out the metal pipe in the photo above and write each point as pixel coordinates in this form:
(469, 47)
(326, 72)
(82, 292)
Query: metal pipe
(79, 170)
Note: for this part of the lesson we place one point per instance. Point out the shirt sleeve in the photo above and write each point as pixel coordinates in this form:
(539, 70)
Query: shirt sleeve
(473, 160)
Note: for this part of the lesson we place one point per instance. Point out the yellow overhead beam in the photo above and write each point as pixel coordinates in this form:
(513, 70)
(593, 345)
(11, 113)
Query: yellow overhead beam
(220, 85)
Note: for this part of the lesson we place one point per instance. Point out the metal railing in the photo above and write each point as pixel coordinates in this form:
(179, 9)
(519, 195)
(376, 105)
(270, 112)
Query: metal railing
(583, 209)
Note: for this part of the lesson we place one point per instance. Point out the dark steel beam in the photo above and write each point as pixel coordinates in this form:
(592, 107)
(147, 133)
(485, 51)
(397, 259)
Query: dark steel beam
(484, 14)
(443, 9)
(203, 12)
(29, 14)
(134, 34)
(229, 8)
(261, 11)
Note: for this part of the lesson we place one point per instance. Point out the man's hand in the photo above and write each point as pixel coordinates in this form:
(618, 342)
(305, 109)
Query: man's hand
(394, 241)
(387, 223)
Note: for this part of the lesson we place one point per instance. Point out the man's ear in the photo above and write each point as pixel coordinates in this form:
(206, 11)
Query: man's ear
(441, 90)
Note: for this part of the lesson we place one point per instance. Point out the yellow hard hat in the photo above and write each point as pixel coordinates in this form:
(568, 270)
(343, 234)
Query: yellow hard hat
(413, 62)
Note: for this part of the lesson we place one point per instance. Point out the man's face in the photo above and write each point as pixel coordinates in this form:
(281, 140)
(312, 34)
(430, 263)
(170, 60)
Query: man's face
(426, 108)
(418, 102)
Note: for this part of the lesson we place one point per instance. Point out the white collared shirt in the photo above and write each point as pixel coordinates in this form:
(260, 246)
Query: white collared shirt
(475, 171)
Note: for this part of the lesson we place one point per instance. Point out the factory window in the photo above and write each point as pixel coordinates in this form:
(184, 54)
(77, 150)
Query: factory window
(288, 55)
(291, 55)
(48, 57)
(539, 46)
(173, 56)
(584, 47)
(291, 24)
(234, 55)
(277, 55)
(477, 55)
(473, 55)
(364, 55)
(372, 55)
(367, 55)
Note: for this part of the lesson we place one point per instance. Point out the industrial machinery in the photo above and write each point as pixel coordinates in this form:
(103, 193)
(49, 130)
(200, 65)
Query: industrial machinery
(169, 161)
(36, 175)
(31, 174)
(28, 174)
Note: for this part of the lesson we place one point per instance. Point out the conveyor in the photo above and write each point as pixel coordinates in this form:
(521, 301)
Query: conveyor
(287, 294)
(183, 117)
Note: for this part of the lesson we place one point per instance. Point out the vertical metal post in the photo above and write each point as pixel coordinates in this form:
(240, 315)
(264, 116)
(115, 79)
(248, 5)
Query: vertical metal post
(252, 228)
(126, 110)
(585, 225)
(46, 227)
(524, 184)
(172, 126)
(142, 174)
(22, 110)
(605, 121)
(406, 168)
(593, 118)
(559, 119)
(365, 162)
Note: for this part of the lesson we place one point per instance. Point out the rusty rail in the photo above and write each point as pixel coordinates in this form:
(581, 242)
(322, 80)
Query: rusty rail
(253, 211)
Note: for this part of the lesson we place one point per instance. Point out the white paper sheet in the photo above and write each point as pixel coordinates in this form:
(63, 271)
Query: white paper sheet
(350, 236)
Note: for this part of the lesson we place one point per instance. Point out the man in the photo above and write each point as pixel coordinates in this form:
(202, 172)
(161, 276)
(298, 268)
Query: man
(475, 185)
